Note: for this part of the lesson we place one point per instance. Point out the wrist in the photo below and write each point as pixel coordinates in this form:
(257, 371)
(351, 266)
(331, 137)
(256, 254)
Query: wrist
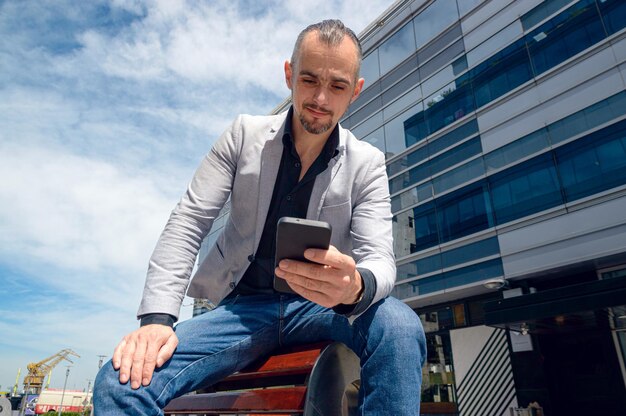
(358, 295)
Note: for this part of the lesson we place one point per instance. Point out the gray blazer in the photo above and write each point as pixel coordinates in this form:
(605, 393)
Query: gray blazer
(352, 195)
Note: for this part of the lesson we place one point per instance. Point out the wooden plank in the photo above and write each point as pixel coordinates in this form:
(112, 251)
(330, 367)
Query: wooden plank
(285, 399)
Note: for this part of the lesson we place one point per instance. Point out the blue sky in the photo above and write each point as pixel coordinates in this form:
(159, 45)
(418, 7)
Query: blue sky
(106, 108)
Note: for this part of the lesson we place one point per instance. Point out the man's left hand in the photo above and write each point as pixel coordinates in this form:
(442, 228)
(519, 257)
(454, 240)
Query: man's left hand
(331, 279)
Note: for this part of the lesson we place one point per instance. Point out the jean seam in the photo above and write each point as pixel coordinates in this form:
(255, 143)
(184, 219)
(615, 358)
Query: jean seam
(207, 357)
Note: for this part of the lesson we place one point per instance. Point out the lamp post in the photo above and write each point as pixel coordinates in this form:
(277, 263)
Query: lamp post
(67, 373)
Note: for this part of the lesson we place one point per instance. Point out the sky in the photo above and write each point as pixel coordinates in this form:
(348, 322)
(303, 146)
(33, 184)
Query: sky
(106, 109)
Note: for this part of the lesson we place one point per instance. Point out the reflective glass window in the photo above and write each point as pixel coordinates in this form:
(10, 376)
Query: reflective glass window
(470, 252)
(525, 189)
(394, 131)
(440, 45)
(434, 19)
(419, 267)
(424, 227)
(467, 5)
(446, 56)
(588, 118)
(452, 103)
(403, 233)
(369, 125)
(397, 48)
(458, 134)
(456, 155)
(463, 212)
(398, 73)
(410, 98)
(495, 43)
(475, 273)
(441, 78)
(412, 197)
(613, 14)
(415, 128)
(377, 139)
(458, 176)
(541, 12)
(402, 87)
(563, 36)
(501, 73)
(370, 70)
(411, 159)
(595, 163)
(527, 145)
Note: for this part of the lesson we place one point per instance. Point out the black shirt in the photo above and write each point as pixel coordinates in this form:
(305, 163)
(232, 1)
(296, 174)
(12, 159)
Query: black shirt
(289, 199)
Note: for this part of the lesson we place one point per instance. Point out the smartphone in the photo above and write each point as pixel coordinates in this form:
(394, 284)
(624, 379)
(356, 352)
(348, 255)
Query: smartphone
(293, 237)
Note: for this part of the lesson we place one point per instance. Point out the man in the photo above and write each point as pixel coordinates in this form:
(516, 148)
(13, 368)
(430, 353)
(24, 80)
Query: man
(303, 164)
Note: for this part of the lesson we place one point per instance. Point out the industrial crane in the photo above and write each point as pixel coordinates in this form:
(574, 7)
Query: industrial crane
(33, 381)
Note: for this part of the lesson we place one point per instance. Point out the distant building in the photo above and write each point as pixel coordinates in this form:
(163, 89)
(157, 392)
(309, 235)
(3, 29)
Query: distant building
(504, 127)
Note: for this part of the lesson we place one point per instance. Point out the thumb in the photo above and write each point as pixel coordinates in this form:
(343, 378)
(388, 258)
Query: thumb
(167, 350)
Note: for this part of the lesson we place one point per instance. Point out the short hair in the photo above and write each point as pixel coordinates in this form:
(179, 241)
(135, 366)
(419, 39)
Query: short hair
(331, 32)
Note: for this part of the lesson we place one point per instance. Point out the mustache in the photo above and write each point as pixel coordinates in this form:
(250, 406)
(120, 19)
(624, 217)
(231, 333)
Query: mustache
(317, 108)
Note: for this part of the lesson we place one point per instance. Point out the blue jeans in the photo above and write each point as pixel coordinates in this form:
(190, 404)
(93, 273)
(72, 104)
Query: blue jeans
(388, 338)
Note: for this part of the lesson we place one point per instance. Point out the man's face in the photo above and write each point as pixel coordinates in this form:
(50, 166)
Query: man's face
(323, 82)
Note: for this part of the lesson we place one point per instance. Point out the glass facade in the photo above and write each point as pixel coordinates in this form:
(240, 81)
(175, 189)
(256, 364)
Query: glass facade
(478, 146)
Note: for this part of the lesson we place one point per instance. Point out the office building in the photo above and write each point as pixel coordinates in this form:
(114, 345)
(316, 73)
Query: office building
(504, 127)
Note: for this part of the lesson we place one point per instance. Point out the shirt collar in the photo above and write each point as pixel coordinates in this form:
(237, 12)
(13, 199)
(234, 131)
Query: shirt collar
(330, 148)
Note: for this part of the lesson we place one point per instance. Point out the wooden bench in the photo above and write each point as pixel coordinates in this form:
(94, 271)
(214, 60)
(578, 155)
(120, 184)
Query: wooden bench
(294, 381)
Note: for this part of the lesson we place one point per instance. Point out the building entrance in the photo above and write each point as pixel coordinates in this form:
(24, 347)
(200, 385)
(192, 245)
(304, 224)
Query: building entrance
(582, 373)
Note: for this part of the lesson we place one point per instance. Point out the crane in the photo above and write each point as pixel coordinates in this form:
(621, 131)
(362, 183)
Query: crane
(33, 381)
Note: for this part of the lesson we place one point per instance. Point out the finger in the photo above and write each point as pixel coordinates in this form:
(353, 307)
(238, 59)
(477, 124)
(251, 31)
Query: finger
(117, 354)
(149, 362)
(127, 360)
(310, 270)
(314, 296)
(331, 257)
(309, 283)
(138, 361)
(167, 350)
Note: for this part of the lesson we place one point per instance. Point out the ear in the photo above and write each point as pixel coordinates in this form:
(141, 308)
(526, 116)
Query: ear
(357, 89)
(288, 74)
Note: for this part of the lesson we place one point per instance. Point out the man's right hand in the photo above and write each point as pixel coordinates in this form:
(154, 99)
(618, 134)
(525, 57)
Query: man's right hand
(143, 350)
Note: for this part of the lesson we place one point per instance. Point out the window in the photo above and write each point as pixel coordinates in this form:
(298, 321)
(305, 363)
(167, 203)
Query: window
(458, 176)
(412, 196)
(424, 227)
(613, 14)
(470, 252)
(475, 273)
(527, 188)
(452, 103)
(395, 130)
(501, 73)
(370, 70)
(563, 36)
(377, 139)
(463, 212)
(595, 163)
(541, 12)
(527, 145)
(434, 19)
(397, 48)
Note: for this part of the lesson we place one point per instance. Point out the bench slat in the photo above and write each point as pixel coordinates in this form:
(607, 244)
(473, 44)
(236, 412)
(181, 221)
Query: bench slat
(287, 399)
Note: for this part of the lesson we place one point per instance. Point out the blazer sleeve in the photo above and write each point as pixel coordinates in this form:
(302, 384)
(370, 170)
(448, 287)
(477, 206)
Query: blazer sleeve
(372, 227)
(173, 259)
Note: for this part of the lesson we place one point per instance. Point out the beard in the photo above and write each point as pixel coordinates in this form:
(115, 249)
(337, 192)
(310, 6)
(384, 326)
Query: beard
(315, 127)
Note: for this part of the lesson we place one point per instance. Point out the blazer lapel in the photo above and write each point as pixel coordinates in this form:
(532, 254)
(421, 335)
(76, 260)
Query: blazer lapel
(270, 163)
(324, 179)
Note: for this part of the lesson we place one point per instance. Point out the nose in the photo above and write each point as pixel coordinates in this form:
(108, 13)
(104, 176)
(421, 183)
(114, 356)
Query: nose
(320, 95)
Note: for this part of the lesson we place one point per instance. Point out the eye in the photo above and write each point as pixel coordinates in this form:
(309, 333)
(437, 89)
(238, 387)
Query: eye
(339, 87)
(308, 81)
